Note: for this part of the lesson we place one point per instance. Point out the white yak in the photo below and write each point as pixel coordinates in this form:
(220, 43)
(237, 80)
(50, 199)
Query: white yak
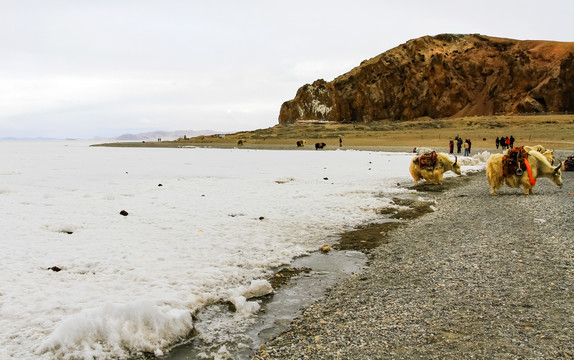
(539, 167)
(433, 174)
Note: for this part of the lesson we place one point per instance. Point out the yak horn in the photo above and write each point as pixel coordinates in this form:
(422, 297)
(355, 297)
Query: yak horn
(557, 168)
(455, 160)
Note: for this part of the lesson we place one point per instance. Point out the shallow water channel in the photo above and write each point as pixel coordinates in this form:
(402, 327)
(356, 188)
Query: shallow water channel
(277, 311)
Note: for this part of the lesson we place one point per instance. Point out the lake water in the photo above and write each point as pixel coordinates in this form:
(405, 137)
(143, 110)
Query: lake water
(205, 227)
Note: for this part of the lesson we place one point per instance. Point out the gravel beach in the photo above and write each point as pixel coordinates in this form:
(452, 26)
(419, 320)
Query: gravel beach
(482, 277)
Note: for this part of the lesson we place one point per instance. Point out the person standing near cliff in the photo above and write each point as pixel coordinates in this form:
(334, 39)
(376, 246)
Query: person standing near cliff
(451, 146)
(458, 145)
(497, 142)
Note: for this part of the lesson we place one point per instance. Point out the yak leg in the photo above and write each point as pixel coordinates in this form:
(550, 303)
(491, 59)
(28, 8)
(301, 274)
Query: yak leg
(426, 175)
(438, 176)
(527, 186)
(494, 184)
(415, 174)
(416, 177)
(528, 189)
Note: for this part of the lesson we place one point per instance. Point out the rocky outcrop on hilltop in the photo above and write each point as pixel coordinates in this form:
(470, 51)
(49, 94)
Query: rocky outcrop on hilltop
(444, 76)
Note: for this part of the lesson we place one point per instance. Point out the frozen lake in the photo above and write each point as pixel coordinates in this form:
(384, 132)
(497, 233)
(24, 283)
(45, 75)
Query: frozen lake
(211, 233)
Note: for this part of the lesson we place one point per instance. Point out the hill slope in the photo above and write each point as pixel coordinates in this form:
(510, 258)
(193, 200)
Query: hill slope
(444, 76)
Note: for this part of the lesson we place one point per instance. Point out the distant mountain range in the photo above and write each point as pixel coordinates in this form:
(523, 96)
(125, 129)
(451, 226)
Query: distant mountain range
(146, 136)
(163, 135)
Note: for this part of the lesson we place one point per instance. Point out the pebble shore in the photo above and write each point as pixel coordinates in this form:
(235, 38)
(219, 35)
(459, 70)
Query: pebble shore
(482, 277)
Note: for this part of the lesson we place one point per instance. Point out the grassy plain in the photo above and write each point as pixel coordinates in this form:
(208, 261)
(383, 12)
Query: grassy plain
(552, 131)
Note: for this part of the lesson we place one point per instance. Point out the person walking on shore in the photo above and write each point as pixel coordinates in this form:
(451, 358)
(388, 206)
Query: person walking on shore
(451, 146)
(511, 141)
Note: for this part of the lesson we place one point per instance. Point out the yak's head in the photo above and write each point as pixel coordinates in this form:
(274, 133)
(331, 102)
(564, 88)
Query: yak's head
(456, 166)
(557, 175)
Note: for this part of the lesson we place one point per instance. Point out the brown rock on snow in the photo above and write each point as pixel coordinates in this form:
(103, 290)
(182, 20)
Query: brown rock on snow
(444, 76)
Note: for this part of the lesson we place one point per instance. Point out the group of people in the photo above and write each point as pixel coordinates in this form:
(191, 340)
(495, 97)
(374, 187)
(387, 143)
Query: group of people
(459, 145)
(505, 142)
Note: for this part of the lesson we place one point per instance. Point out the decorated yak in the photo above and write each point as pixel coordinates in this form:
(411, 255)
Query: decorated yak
(519, 167)
(432, 166)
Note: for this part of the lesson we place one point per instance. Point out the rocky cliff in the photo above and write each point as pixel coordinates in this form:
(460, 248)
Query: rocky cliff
(444, 76)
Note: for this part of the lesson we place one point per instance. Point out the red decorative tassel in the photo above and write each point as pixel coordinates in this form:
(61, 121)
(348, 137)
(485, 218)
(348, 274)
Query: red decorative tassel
(532, 180)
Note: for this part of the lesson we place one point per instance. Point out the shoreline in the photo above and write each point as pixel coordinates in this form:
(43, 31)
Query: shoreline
(308, 278)
(366, 239)
(554, 131)
(381, 148)
(447, 286)
(477, 148)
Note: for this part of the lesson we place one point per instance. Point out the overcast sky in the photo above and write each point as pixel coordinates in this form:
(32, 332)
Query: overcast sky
(85, 68)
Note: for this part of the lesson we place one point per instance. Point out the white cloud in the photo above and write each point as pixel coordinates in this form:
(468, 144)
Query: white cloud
(32, 95)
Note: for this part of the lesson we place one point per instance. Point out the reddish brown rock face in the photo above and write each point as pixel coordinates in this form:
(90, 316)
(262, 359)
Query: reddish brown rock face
(444, 76)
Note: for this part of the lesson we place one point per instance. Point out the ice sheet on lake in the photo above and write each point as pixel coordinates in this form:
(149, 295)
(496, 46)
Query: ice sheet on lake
(220, 220)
